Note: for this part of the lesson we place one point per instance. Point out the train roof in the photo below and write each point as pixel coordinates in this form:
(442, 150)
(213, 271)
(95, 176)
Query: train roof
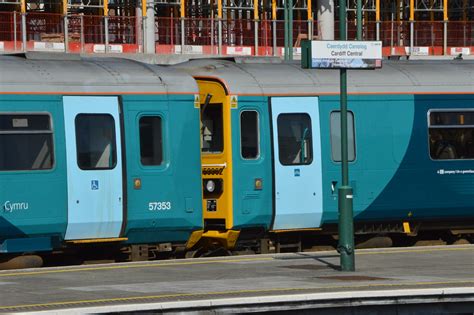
(62, 73)
(267, 77)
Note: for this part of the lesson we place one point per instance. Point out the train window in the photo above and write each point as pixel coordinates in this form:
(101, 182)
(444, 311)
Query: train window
(451, 135)
(445, 118)
(336, 136)
(151, 140)
(295, 139)
(26, 142)
(95, 141)
(249, 135)
(212, 128)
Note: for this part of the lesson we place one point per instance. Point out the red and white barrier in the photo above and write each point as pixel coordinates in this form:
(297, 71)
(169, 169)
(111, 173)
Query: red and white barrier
(48, 46)
(238, 50)
(420, 51)
(114, 49)
(454, 51)
(189, 49)
(75, 47)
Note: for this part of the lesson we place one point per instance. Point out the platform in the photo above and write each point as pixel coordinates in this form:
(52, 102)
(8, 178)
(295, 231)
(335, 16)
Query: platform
(393, 280)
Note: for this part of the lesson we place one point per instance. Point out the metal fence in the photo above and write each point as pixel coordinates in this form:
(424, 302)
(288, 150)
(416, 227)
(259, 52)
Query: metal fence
(460, 33)
(200, 32)
(167, 31)
(44, 27)
(394, 34)
(428, 34)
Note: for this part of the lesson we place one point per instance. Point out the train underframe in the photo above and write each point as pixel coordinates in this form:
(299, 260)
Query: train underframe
(252, 241)
(367, 235)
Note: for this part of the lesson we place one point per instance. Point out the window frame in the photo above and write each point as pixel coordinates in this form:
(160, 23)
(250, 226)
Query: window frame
(259, 151)
(51, 132)
(163, 137)
(312, 136)
(354, 136)
(429, 126)
(115, 143)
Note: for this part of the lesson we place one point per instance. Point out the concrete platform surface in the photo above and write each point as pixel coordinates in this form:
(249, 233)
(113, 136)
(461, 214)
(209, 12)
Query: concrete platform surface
(283, 282)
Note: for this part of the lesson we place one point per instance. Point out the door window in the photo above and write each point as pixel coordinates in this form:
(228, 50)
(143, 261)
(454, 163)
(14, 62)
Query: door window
(26, 142)
(151, 140)
(249, 135)
(295, 139)
(336, 136)
(212, 128)
(95, 141)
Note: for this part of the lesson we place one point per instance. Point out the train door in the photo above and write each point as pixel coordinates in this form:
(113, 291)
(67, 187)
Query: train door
(297, 162)
(94, 167)
(216, 157)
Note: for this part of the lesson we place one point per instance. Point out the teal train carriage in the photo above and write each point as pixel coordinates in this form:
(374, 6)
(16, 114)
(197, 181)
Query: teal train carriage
(97, 153)
(271, 149)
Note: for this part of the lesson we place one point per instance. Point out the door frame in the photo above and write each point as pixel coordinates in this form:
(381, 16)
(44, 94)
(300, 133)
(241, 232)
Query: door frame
(112, 107)
(317, 149)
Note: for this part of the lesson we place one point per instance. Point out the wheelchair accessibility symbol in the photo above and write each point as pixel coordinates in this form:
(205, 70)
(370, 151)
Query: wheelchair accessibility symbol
(94, 184)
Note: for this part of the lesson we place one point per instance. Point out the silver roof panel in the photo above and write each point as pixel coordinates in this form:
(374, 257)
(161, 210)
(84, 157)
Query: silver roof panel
(89, 75)
(289, 78)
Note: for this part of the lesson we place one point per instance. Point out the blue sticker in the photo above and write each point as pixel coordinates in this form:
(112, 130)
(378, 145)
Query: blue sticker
(94, 184)
(297, 172)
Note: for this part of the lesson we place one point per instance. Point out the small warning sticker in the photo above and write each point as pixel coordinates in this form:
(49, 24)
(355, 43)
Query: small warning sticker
(197, 102)
(233, 101)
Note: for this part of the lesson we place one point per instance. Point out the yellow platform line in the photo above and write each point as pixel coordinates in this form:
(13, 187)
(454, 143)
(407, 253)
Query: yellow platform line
(221, 293)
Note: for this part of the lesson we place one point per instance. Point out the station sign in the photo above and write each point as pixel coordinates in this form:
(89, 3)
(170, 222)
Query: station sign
(329, 54)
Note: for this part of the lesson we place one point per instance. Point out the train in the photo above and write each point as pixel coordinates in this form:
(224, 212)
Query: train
(410, 149)
(214, 156)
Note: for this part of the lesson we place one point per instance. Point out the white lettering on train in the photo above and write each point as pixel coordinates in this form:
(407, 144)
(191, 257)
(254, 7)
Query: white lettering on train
(10, 206)
(454, 172)
(159, 206)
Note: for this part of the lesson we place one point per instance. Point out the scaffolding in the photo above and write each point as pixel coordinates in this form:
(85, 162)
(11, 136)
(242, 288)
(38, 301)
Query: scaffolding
(227, 26)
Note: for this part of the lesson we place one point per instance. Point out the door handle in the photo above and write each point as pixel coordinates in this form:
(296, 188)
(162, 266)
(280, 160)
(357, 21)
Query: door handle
(333, 186)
